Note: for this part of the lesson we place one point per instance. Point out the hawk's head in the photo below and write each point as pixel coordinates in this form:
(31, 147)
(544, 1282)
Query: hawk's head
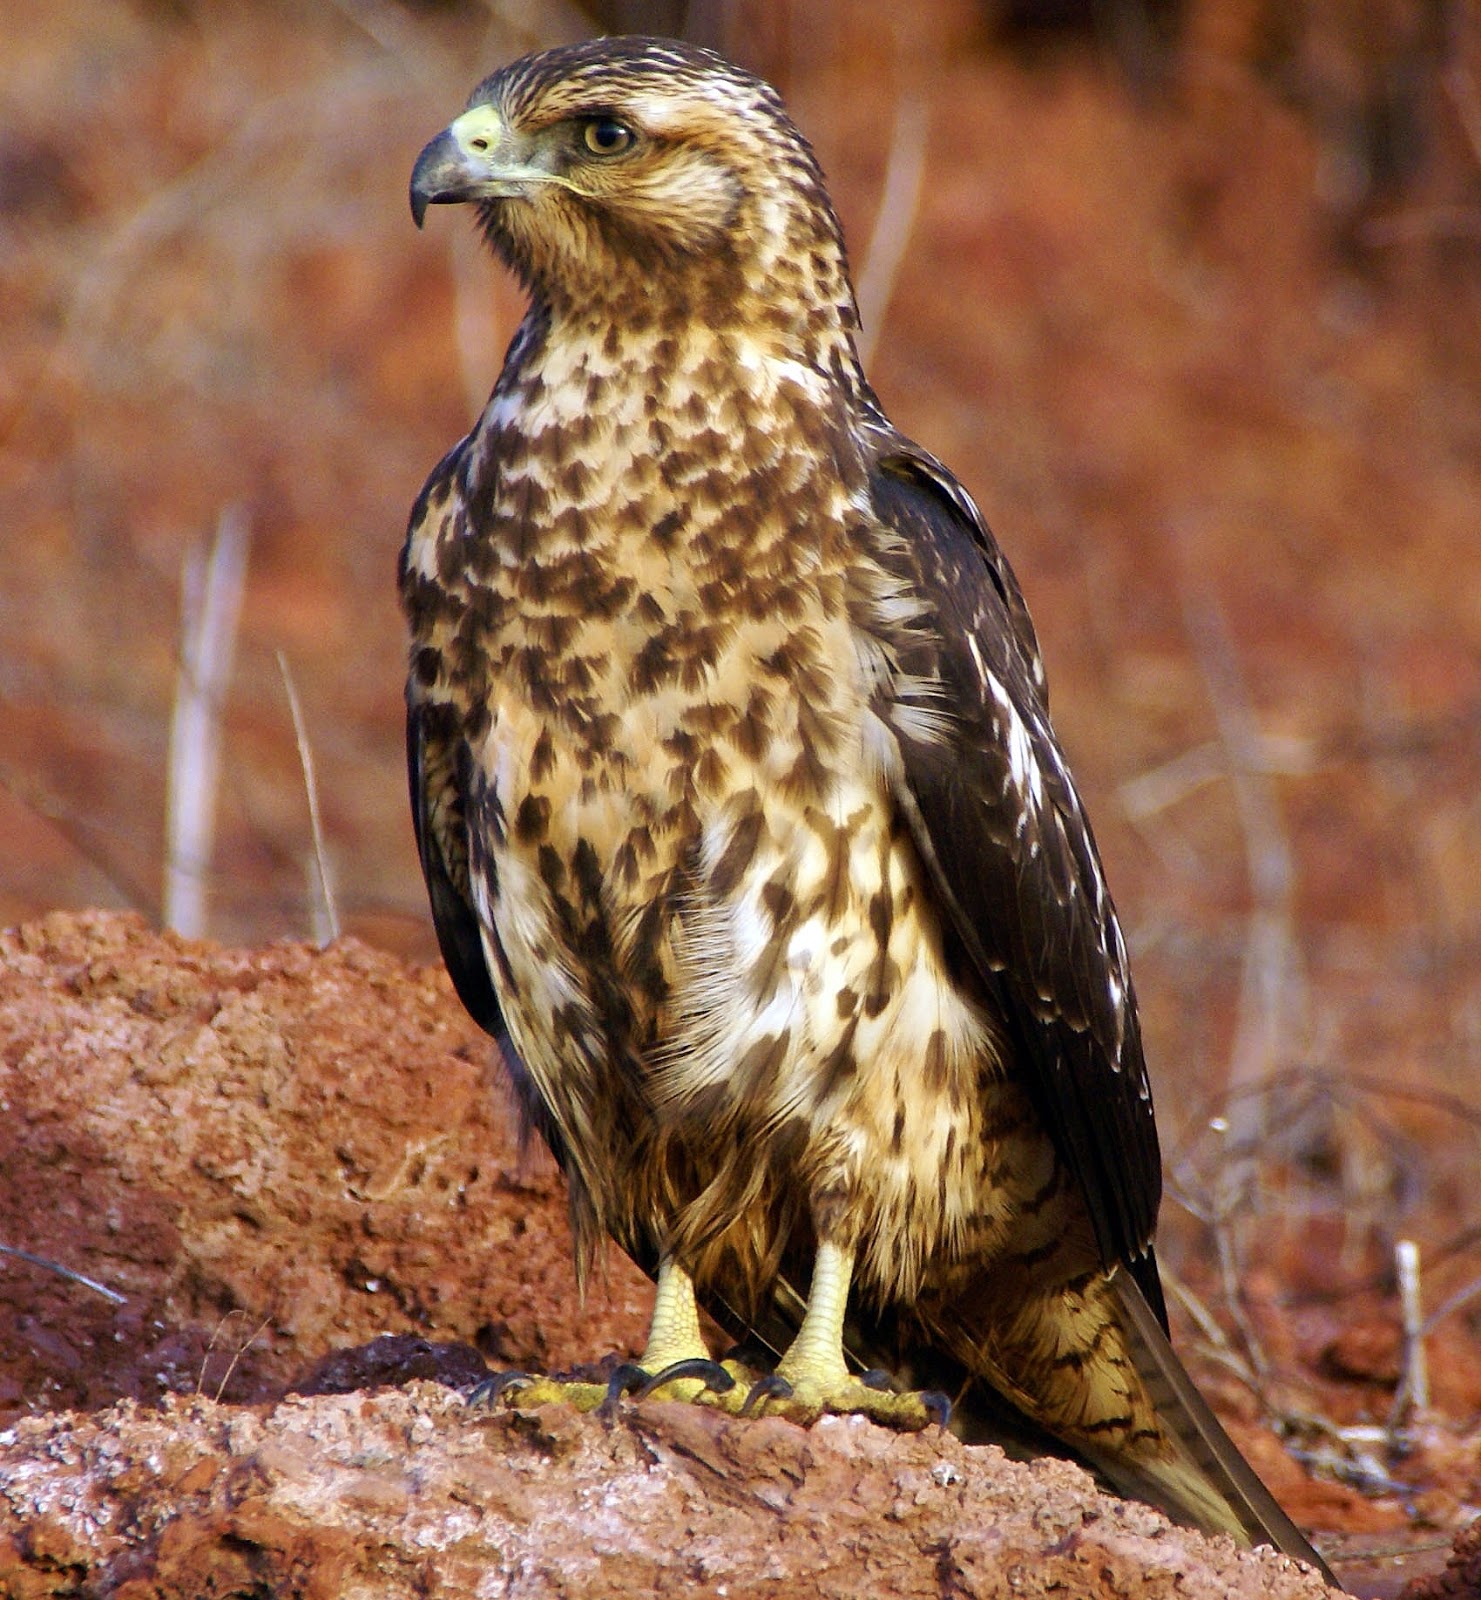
(629, 169)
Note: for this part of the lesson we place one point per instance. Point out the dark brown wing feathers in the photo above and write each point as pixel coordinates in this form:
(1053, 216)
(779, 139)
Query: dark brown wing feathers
(1018, 868)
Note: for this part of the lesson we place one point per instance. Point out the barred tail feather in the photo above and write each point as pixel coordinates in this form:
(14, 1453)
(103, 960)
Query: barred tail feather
(1214, 1488)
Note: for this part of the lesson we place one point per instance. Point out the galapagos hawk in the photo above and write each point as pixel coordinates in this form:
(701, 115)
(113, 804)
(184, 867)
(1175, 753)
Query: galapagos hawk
(743, 820)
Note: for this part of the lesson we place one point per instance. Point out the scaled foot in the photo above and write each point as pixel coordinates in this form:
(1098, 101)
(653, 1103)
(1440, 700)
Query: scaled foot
(675, 1365)
(813, 1378)
(694, 1378)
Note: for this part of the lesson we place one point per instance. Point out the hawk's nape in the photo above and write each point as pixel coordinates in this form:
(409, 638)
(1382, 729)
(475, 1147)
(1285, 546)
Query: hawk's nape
(743, 818)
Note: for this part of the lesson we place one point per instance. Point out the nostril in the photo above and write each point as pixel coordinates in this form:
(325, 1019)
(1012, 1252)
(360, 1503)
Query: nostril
(479, 144)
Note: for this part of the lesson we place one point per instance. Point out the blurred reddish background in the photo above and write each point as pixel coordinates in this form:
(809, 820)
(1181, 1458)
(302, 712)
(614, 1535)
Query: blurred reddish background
(1190, 297)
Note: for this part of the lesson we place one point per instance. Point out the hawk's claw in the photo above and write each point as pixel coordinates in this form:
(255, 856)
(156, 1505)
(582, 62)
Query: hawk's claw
(878, 1378)
(711, 1374)
(629, 1377)
(937, 1406)
(771, 1387)
(488, 1390)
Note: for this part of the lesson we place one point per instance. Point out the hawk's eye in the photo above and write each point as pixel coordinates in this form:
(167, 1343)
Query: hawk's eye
(606, 136)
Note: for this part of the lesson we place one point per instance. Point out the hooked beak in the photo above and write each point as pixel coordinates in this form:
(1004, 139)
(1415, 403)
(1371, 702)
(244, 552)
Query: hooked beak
(475, 158)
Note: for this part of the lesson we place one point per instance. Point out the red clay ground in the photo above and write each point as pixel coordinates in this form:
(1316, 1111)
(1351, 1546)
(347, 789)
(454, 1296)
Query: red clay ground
(292, 1166)
(1210, 358)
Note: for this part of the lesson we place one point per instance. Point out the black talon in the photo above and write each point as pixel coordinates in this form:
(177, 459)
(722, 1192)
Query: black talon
(624, 1380)
(772, 1387)
(937, 1407)
(714, 1377)
(878, 1378)
(487, 1390)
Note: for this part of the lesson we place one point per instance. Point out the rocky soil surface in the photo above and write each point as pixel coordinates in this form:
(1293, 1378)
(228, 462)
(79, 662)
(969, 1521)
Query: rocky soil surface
(406, 1493)
(294, 1169)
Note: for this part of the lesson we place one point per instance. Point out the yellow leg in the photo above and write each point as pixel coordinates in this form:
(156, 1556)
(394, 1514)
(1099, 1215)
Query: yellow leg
(673, 1337)
(673, 1331)
(814, 1359)
(814, 1377)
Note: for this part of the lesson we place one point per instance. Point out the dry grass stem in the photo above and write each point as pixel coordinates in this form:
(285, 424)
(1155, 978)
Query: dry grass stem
(200, 1382)
(1208, 1325)
(237, 1354)
(1413, 1395)
(326, 917)
(211, 610)
(1215, 1341)
(1162, 787)
(1231, 1276)
(898, 202)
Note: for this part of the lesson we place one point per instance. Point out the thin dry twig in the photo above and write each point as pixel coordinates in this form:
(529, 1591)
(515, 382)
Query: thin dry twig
(81, 837)
(1311, 1106)
(1231, 1278)
(1413, 1393)
(211, 609)
(1254, 1366)
(1267, 1002)
(175, 208)
(898, 202)
(1361, 1454)
(1167, 784)
(1214, 1337)
(1163, 786)
(1451, 1304)
(326, 917)
(64, 1272)
(1296, 1087)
